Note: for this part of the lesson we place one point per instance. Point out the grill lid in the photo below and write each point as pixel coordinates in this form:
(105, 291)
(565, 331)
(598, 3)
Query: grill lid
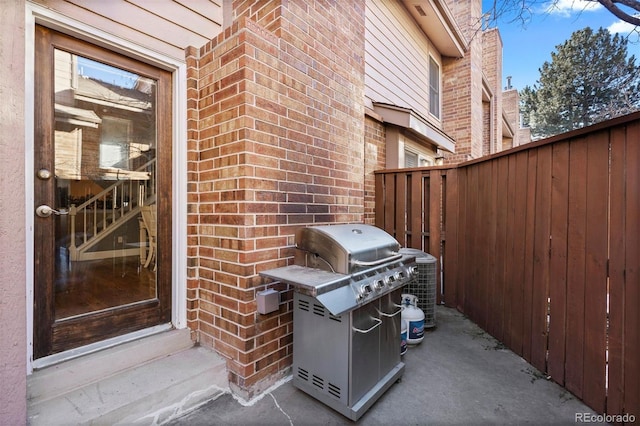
(346, 266)
(347, 248)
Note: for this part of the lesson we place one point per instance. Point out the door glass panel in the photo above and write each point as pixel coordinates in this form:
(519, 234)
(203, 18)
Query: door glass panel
(105, 172)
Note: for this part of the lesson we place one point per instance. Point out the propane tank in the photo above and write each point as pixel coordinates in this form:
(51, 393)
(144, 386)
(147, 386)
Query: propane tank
(413, 317)
(403, 337)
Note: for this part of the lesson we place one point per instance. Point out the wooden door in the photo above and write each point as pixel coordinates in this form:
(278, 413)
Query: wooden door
(102, 152)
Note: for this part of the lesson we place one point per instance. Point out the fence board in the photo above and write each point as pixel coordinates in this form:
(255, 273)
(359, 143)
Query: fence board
(472, 262)
(501, 302)
(632, 280)
(400, 204)
(489, 249)
(558, 261)
(426, 211)
(520, 242)
(379, 199)
(466, 271)
(509, 273)
(596, 270)
(389, 204)
(494, 294)
(450, 220)
(540, 283)
(483, 251)
(576, 267)
(463, 178)
(527, 258)
(615, 400)
(435, 194)
(415, 206)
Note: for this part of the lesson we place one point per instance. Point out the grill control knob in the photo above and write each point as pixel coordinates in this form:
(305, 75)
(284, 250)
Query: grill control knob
(366, 290)
(378, 285)
(388, 281)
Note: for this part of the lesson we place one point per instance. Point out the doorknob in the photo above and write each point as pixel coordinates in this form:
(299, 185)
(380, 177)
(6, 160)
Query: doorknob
(46, 211)
(43, 174)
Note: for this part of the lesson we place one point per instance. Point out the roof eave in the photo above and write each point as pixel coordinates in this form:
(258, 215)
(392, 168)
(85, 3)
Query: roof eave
(411, 121)
(438, 23)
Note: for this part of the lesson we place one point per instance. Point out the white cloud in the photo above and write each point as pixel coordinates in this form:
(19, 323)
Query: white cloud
(622, 27)
(568, 7)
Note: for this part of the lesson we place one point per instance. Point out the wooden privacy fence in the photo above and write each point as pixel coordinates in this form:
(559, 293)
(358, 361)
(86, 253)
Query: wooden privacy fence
(540, 246)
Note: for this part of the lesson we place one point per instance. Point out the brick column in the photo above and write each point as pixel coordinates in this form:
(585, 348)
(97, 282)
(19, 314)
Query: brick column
(276, 144)
(462, 109)
(492, 69)
(375, 159)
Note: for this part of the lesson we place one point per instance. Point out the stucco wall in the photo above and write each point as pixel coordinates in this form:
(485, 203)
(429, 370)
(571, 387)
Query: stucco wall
(12, 220)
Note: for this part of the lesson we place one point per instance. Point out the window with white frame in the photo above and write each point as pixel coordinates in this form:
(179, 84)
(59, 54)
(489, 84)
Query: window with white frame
(434, 88)
(413, 159)
(410, 159)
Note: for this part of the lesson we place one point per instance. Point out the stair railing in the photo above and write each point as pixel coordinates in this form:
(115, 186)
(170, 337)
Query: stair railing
(107, 208)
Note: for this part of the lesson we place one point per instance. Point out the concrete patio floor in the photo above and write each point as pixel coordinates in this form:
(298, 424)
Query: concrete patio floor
(457, 375)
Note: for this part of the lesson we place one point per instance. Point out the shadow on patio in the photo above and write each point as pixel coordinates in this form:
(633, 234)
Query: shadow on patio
(458, 375)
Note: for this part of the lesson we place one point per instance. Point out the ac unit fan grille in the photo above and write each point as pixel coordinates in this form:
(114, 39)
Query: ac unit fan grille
(424, 287)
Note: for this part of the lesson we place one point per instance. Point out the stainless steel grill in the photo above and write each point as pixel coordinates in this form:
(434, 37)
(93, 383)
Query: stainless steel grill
(348, 283)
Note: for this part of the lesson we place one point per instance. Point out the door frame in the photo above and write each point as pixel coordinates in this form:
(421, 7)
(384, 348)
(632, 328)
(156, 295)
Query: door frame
(36, 14)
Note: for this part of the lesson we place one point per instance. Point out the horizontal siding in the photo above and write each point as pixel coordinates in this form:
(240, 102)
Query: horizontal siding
(397, 57)
(164, 26)
(198, 17)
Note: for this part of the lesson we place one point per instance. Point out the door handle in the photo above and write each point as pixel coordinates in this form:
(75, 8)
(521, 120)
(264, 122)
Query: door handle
(46, 211)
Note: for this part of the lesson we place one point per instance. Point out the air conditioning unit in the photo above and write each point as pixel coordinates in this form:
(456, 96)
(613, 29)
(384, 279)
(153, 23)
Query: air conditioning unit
(424, 284)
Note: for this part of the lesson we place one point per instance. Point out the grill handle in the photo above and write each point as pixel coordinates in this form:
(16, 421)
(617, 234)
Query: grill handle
(378, 322)
(384, 314)
(391, 258)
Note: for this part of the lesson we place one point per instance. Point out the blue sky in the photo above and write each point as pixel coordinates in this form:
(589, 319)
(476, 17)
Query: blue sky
(527, 46)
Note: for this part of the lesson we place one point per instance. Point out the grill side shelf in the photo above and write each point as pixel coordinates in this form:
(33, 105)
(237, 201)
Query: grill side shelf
(309, 281)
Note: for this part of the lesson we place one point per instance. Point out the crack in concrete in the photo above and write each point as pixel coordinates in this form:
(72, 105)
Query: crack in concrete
(182, 407)
(280, 408)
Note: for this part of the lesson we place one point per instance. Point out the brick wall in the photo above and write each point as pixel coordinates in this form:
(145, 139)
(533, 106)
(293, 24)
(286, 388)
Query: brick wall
(511, 105)
(492, 70)
(474, 123)
(510, 101)
(462, 111)
(524, 135)
(374, 159)
(276, 136)
(487, 122)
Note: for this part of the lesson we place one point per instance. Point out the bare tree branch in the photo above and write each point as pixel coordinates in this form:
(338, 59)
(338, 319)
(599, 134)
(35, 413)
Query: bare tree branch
(522, 10)
(611, 6)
